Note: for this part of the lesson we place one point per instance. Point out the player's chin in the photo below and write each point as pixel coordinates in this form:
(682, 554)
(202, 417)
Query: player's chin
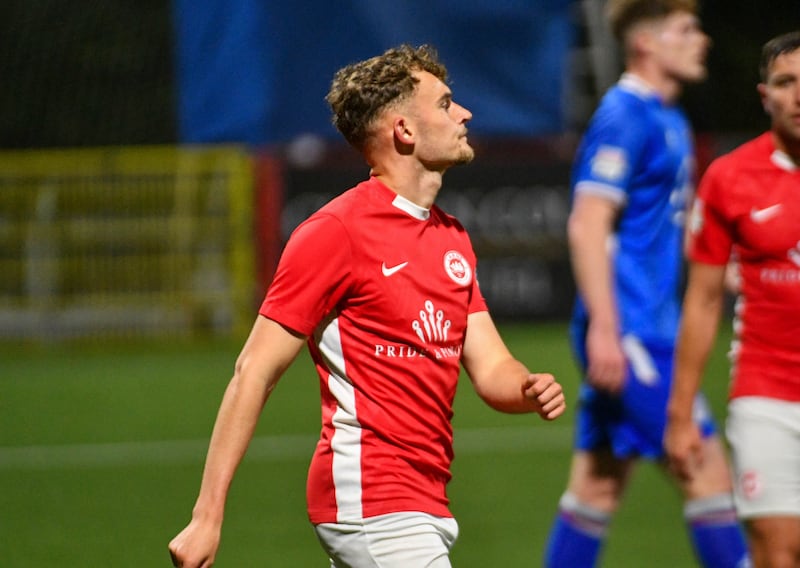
(696, 74)
(466, 155)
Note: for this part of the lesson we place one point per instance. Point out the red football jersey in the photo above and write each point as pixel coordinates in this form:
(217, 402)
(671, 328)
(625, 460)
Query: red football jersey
(383, 288)
(749, 203)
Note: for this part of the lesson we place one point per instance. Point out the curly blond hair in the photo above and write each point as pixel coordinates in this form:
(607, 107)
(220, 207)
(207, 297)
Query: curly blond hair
(361, 91)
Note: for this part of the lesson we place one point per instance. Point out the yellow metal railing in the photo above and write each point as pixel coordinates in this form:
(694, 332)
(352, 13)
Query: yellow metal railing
(142, 240)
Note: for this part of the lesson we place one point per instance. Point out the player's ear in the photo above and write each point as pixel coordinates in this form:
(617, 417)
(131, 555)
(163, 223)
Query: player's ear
(402, 130)
(762, 92)
(640, 40)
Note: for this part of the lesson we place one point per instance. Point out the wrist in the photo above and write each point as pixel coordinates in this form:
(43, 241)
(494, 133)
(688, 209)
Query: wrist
(207, 514)
(604, 324)
(678, 414)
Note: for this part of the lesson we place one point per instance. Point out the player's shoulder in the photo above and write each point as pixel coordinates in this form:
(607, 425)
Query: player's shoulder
(336, 217)
(752, 155)
(349, 207)
(628, 95)
(347, 201)
(623, 114)
(449, 223)
(444, 217)
(618, 104)
(734, 176)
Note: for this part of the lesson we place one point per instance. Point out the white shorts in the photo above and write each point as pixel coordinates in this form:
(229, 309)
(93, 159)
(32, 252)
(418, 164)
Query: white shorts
(396, 540)
(764, 435)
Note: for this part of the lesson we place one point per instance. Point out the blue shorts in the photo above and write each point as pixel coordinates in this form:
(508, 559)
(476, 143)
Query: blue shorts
(632, 422)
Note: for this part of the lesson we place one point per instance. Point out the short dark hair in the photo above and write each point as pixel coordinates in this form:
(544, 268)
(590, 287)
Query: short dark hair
(361, 91)
(779, 45)
(622, 15)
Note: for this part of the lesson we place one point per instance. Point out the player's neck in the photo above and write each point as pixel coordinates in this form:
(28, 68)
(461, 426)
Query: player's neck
(404, 174)
(421, 188)
(667, 87)
(791, 148)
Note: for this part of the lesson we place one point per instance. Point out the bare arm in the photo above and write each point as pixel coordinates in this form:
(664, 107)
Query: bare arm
(589, 229)
(502, 381)
(702, 309)
(265, 356)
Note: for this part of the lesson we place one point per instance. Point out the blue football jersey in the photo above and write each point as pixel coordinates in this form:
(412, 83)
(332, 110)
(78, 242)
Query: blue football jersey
(639, 152)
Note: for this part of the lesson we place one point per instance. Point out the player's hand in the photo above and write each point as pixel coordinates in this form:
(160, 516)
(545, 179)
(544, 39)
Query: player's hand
(607, 362)
(196, 545)
(548, 395)
(683, 446)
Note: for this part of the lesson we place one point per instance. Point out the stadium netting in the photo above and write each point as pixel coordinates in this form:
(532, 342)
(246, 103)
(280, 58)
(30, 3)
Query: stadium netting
(86, 73)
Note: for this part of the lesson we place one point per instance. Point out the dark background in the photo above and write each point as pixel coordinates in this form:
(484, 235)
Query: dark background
(90, 72)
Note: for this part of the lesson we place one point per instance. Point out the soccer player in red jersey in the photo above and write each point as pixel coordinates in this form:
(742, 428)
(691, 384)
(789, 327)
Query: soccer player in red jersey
(748, 206)
(380, 283)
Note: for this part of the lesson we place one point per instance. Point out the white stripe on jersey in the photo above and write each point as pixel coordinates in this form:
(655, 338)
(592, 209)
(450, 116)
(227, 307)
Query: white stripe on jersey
(346, 440)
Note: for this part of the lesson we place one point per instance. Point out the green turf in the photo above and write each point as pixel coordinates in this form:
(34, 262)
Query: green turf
(101, 451)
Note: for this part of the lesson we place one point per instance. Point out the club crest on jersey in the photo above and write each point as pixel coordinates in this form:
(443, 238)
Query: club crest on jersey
(457, 267)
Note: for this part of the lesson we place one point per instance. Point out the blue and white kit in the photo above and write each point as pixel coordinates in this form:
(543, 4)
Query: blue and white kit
(637, 152)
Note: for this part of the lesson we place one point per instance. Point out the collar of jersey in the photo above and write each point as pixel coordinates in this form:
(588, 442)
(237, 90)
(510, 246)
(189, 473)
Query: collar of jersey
(404, 204)
(411, 208)
(783, 161)
(638, 86)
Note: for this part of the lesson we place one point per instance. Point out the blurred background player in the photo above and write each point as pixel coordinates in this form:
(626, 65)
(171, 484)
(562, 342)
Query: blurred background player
(632, 178)
(749, 203)
(381, 284)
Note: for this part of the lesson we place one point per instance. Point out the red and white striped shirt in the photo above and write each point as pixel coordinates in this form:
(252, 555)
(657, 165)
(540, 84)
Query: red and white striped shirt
(383, 288)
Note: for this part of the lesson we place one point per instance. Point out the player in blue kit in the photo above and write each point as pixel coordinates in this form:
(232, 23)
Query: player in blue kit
(632, 179)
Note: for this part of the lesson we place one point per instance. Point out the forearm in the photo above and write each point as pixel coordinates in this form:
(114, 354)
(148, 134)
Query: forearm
(234, 427)
(593, 279)
(500, 380)
(696, 336)
(503, 389)
(268, 351)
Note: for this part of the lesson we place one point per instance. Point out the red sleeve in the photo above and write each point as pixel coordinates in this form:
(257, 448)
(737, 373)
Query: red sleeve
(312, 275)
(710, 229)
(476, 301)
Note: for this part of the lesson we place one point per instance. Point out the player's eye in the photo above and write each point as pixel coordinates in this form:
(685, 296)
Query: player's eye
(782, 82)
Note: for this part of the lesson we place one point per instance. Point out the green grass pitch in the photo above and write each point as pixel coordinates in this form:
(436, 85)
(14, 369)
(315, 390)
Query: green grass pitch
(102, 446)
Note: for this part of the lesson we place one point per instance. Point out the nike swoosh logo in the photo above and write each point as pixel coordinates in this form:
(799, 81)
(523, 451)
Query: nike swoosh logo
(761, 215)
(388, 271)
